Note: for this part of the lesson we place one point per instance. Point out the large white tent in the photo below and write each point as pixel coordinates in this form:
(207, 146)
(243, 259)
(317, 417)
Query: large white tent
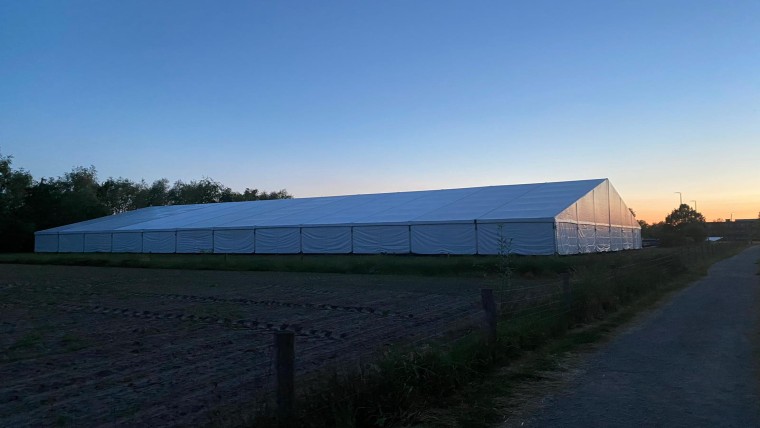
(533, 219)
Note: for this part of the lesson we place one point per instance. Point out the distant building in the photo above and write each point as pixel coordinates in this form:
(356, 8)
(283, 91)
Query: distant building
(737, 230)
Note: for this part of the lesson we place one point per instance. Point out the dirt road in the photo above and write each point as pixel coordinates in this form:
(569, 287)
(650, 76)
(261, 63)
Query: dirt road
(692, 362)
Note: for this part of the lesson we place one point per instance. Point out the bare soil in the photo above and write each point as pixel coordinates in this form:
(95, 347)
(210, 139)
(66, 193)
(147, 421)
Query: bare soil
(114, 346)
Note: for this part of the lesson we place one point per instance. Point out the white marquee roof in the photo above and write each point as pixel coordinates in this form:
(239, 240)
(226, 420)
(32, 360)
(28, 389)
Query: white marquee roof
(509, 203)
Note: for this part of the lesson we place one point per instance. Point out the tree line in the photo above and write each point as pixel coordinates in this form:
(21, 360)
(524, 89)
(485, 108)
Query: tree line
(683, 226)
(28, 205)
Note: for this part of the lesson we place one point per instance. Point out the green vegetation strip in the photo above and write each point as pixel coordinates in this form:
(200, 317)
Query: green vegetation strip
(437, 266)
(351, 264)
(464, 383)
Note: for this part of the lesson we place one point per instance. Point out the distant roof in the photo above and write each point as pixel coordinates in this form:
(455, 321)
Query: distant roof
(520, 202)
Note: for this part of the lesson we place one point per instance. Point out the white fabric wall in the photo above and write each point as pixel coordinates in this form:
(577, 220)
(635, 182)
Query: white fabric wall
(97, 243)
(569, 215)
(443, 238)
(637, 238)
(381, 239)
(516, 238)
(127, 242)
(585, 206)
(627, 238)
(602, 205)
(71, 242)
(567, 238)
(586, 238)
(195, 241)
(239, 241)
(46, 243)
(616, 238)
(602, 240)
(280, 240)
(326, 240)
(159, 242)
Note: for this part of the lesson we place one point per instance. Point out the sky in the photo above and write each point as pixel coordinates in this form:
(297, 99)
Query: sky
(346, 97)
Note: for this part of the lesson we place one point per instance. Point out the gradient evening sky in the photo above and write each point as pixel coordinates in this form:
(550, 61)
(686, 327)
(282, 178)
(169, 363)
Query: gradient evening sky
(325, 98)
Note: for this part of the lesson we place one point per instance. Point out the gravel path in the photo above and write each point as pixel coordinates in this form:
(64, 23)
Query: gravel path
(693, 362)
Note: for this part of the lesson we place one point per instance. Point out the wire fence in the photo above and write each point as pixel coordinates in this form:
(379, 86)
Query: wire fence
(570, 299)
(226, 354)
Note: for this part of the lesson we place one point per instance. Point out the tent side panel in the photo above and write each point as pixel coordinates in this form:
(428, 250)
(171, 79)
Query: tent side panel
(586, 208)
(381, 239)
(616, 238)
(567, 238)
(280, 240)
(326, 240)
(231, 241)
(516, 238)
(602, 205)
(127, 242)
(444, 238)
(602, 238)
(636, 239)
(568, 215)
(616, 208)
(97, 243)
(159, 242)
(627, 238)
(195, 241)
(586, 238)
(46, 243)
(71, 242)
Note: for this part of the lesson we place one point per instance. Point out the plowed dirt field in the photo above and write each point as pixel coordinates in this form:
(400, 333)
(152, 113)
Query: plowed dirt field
(113, 346)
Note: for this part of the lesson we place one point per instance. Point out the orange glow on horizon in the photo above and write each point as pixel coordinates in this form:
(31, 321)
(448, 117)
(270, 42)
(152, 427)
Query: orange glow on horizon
(652, 212)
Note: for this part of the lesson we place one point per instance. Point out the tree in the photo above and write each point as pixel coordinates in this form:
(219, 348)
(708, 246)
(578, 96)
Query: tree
(27, 205)
(684, 215)
(13, 186)
(119, 194)
(684, 225)
(79, 196)
(644, 227)
(15, 229)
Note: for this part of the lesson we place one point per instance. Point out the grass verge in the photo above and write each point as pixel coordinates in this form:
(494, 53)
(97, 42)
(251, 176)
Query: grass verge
(382, 264)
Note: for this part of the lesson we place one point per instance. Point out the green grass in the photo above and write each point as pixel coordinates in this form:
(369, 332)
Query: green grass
(463, 266)
(358, 264)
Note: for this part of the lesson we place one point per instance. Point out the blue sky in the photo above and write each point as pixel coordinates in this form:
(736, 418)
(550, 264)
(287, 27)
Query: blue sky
(327, 98)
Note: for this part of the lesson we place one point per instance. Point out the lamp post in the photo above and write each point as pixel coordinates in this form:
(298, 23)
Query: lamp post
(732, 217)
(680, 199)
(695, 204)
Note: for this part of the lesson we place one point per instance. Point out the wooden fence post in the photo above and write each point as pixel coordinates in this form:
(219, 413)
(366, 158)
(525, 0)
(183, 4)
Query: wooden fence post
(566, 292)
(489, 307)
(284, 348)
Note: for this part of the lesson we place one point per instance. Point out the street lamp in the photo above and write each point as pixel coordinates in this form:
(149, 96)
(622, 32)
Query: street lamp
(680, 199)
(695, 204)
(732, 216)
